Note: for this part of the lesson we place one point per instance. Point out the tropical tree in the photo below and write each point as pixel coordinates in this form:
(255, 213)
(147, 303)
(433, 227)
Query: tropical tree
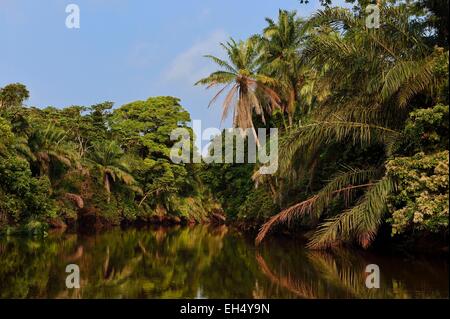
(107, 158)
(248, 90)
(13, 95)
(48, 146)
(281, 59)
(378, 76)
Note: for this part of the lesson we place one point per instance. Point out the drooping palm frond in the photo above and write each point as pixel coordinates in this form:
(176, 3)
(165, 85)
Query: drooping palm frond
(360, 222)
(409, 78)
(76, 199)
(391, 63)
(301, 139)
(217, 78)
(343, 184)
(372, 75)
(424, 79)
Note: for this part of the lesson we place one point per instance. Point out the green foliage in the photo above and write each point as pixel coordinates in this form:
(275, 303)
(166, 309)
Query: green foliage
(427, 129)
(363, 119)
(13, 95)
(23, 198)
(143, 128)
(6, 135)
(421, 201)
(231, 184)
(107, 159)
(358, 90)
(61, 165)
(257, 206)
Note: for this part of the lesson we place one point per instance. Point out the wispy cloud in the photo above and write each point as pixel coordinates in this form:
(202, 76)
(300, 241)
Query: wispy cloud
(190, 65)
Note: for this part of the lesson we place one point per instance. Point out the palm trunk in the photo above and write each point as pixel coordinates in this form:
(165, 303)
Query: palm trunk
(107, 185)
(292, 103)
(290, 120)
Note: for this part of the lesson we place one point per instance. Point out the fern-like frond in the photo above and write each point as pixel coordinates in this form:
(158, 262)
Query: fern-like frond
(341, 185)
(360, 222)
(328, 132)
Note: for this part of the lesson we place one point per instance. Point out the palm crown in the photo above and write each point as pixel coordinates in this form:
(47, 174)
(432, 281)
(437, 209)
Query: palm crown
(246, 86)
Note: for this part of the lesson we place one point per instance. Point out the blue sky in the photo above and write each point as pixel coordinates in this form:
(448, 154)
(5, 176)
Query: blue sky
(125, 50)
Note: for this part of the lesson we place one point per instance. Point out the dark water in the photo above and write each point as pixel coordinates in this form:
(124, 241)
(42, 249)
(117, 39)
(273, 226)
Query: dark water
(202, 262)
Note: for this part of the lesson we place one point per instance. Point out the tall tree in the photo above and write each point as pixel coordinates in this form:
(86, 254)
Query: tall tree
(246, 86)
(281, 59)
(13, 95)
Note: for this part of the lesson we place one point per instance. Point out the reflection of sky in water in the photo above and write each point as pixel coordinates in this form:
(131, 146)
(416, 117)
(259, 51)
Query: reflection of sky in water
(201, 262)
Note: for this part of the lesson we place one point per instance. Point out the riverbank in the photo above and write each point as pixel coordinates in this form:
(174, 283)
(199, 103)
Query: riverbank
(428, 244)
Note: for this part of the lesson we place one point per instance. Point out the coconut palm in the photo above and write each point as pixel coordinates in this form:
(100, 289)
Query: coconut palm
(281, 59)
(246, 87)
(107, 159)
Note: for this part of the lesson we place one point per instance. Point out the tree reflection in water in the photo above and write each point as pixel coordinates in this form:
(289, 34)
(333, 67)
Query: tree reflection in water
(203, 262)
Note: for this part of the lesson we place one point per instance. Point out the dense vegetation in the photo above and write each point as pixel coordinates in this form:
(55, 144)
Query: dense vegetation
(363, 118)
(93, 165)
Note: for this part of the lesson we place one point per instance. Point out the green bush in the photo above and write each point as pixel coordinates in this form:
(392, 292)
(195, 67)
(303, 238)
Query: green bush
(427, 129)
(421, 201)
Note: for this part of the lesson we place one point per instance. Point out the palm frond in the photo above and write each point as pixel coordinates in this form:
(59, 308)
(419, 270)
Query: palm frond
(341, 185)
(360, 222)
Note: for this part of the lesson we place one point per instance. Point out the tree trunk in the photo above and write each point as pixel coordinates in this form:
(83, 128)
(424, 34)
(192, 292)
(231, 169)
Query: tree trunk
(107, 187)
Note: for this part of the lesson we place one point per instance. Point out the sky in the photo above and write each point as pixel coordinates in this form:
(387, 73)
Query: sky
(126, 50)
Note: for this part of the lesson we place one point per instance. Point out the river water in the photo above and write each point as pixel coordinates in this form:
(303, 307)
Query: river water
(204, 262)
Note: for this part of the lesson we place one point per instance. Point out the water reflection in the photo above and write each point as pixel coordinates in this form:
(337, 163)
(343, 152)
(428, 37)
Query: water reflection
(203, 262)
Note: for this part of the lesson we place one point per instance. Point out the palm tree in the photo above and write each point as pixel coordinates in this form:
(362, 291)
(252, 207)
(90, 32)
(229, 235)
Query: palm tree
(375, 74)
(281, 59)
(46, 147)
(247, 87)
(107, 159)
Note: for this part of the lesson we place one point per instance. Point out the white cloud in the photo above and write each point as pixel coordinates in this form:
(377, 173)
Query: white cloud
(190, 65)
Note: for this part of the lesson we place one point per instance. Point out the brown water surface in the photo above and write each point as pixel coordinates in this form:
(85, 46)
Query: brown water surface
(204, 262)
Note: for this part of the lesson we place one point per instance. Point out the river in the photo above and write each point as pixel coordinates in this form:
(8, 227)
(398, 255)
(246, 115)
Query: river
(204, 262)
